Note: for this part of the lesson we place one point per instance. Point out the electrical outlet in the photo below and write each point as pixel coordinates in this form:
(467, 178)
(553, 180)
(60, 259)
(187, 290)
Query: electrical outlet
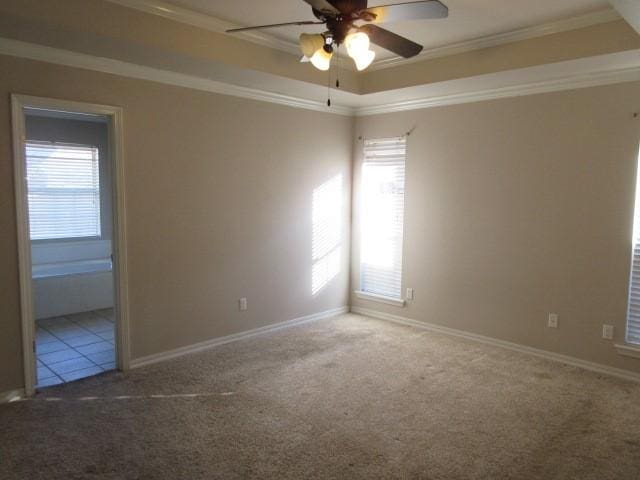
(553, 320)
(607, 332)
(242, 303)
(409, 295)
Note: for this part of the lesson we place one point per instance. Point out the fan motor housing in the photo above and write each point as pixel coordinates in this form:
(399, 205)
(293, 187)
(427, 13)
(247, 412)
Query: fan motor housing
(339, 28)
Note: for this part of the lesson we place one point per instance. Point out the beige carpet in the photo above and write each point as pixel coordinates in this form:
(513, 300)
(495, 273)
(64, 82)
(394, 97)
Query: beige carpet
(348, 397)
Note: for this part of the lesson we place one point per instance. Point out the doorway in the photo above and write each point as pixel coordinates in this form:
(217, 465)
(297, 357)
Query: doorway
(70, 212)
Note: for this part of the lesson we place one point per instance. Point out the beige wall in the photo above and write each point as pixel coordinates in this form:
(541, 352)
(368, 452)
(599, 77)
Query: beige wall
(590, 41)
(218, 206)
(516, 208)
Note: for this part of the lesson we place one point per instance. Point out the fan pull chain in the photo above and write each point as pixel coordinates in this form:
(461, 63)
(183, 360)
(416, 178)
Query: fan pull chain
(329, 85)
(338, 66)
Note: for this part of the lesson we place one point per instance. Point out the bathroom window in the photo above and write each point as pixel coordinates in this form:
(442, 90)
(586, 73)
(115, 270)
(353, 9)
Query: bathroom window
(64, 191)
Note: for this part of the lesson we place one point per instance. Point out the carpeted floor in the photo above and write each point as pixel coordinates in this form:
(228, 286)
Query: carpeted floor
(348, 397)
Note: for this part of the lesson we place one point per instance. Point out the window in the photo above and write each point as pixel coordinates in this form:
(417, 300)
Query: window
(633, 312)
(382, 217)
(64, 190)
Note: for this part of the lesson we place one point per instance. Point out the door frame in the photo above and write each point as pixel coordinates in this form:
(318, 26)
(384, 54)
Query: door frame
(119, 247)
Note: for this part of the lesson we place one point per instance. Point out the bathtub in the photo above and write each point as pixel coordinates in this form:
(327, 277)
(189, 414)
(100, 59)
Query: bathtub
(71, 268)
(72, 287)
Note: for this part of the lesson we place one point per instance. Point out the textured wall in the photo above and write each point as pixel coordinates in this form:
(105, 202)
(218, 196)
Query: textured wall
(516, 208)
(219, 195)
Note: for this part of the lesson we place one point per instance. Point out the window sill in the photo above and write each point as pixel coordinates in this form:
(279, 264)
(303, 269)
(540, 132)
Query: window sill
(398, 302)
(628, 350)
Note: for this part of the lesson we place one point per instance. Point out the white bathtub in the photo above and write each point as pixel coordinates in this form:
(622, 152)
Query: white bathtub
(72, 287)
(71, 268)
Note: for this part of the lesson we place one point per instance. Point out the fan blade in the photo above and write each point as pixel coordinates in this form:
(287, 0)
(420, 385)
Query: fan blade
(428, 9)
(392, 42)
(273, 25)
(349, 6)
(322, 6)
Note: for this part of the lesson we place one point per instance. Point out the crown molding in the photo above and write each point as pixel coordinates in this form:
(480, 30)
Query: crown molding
(601, 71)
(630, 11)
(568, 82)
(68, 58)
(559, 26)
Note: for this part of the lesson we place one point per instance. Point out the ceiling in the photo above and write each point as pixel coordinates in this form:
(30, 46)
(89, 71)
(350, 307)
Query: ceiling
(468, 19)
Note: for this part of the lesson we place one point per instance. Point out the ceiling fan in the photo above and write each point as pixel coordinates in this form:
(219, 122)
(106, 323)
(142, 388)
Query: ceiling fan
(352, 23)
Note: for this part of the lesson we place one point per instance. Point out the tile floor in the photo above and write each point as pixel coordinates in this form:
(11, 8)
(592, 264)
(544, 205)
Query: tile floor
(74, 346)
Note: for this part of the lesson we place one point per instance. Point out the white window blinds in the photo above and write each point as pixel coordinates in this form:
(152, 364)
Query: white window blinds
(64, 190)
(633, 313)
(382, 217)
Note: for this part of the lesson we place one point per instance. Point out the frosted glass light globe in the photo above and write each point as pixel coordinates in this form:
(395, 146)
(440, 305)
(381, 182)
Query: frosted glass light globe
(321, 59)
(356, 43)
(364, 59)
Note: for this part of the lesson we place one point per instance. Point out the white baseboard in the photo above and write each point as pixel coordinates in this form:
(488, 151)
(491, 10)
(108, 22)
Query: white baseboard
(12, 395)
(576, 362)
(214, 342)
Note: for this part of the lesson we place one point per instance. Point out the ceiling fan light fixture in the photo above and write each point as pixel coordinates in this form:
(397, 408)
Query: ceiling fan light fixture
(343, 16)
(358, 48)
(311, 43)
(356, 43)
(321, 59)
(364, 59)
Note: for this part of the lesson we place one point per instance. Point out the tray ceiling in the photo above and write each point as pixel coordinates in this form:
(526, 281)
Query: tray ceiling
(468, 19)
